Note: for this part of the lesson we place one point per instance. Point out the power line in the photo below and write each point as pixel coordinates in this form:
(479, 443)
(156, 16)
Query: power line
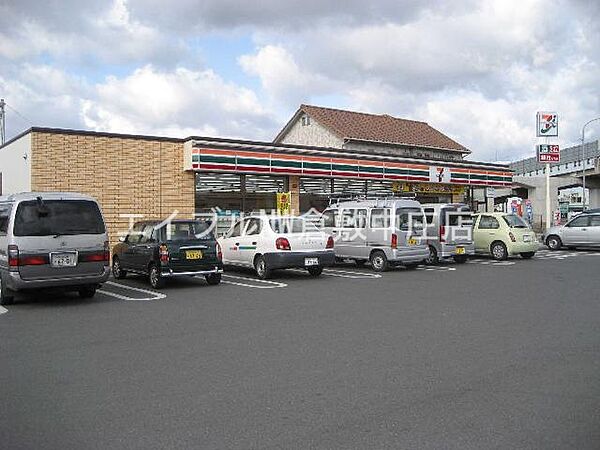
(20, 115)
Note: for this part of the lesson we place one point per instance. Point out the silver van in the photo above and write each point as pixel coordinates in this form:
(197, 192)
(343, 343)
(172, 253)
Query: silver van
(449, 231)
(52, 240)
(387, 232)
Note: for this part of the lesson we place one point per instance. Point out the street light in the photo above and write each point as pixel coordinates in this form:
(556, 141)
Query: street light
(583, 155)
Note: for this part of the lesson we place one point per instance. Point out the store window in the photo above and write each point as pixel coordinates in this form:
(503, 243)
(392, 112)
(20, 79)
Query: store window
(315, 193)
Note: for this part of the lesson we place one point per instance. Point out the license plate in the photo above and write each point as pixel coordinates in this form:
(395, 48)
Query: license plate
(311, 261)
(193, 254)
(412, 241)
(526, 238)
(460, 250)
(63, 259)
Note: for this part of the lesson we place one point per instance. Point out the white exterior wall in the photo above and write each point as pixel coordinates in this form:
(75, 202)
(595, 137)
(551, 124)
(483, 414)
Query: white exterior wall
(313, 134)
(15, 169)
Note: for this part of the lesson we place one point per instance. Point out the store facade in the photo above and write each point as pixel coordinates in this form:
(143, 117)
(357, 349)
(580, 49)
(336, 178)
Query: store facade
(153, 177)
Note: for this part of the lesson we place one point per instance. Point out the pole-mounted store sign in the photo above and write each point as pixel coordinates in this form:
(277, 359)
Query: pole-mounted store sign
(547, 153)
(547, 124)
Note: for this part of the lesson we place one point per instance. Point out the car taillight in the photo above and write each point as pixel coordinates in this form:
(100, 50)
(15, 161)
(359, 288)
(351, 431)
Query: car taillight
(106, 253)
(442, 233)
(394, 243)
(329, 242)
(13, 257)
(512, 236)
(163, 253)
(219, 252)
(282, 244)
(36, 260)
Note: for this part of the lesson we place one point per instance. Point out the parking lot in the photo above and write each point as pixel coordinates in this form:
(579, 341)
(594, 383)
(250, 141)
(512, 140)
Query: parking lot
(481, 355)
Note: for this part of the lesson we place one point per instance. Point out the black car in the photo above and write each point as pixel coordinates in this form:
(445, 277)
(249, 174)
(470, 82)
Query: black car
(163, 250)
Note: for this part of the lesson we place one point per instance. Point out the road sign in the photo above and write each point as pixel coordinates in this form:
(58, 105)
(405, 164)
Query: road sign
(547, 124)
(547, 153)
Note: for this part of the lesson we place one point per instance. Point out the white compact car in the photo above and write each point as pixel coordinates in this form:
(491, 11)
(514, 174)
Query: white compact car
(277, 242)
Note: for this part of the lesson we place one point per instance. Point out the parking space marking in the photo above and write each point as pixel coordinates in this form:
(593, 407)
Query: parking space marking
(352, 274)
(485, 262)
(153, 295)
(262, 284)
(3, 310)
(436, 268)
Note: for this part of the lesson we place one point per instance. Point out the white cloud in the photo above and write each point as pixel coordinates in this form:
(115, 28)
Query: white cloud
(178, 102)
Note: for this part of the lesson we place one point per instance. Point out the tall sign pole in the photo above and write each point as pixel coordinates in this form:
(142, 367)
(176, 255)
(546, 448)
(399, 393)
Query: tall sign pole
(546, 127)
(2, 122)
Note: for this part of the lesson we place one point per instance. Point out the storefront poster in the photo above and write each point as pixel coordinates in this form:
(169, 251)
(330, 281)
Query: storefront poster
(284, 203)
(439, 174)
(430, 188)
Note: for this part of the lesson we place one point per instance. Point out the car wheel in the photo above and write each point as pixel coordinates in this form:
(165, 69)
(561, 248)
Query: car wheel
(554, 242)
(117, 270)
(156, 279)
(315, 271)
(460, 259)
(499, 251)
(262, 269)
(433, 258)
(87, 291)
(7, 297)
(213, 279)
(527, 255)
(379, 261)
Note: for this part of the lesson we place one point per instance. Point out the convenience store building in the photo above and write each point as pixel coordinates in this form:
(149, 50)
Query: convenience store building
(320, 153)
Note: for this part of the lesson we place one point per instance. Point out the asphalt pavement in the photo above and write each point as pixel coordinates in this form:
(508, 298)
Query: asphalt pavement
(480, 355)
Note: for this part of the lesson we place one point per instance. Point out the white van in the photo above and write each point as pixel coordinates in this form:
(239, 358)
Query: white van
(52, 240)
(386, 232)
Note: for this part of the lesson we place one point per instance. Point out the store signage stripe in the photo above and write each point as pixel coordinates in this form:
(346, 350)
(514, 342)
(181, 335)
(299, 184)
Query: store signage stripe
(217, 159)
(286, 163)
(319, 166)
(207, 166)
(344, 168)
(460, 175)
(371, 169)
(253, 162)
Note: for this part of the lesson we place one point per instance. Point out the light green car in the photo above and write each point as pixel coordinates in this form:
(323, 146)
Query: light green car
(502, 235)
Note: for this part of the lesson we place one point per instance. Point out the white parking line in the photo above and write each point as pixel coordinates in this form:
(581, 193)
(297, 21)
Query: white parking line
(436, 268)
(343, 273)
(153, 294)
(262, 284)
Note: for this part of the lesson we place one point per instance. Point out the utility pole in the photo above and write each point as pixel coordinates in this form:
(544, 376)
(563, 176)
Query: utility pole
(2, 122)
(583, 156)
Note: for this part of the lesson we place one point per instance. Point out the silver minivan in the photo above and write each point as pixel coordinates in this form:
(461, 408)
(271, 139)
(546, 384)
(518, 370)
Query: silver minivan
(387, 232)
(449, 231)
(52, 240)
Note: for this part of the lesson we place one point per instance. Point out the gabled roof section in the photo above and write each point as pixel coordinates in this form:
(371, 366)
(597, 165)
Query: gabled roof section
(377, 128)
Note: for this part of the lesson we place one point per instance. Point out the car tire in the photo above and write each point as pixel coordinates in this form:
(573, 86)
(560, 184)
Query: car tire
(315, 271)
(87, 291)
(432, 259)
(262, 269)
(499, 251)
(527, 255)
(7, 297)
(156, 279)
(213, 279)
(117, 270)
(460, 259)
(379, 262)
(553, 242)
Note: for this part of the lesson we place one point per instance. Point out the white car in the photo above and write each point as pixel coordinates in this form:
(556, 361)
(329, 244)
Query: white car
(267, 243)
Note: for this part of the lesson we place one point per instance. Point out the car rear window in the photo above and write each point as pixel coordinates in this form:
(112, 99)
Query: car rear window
(186, 231)
(455, 217)
(409, 219)
(4, 217)
(58, 217)
(514, 221)
(291, 225)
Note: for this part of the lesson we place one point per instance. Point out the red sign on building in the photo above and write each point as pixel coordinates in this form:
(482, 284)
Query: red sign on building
(547, 153)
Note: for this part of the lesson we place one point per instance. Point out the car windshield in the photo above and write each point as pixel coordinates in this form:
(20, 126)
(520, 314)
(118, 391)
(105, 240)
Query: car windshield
(186, 231)
(409, 218)
(58, 217)
(291, 225)
(515, 221)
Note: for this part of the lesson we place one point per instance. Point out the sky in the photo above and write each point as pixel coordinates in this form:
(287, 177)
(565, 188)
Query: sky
(477, 71)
